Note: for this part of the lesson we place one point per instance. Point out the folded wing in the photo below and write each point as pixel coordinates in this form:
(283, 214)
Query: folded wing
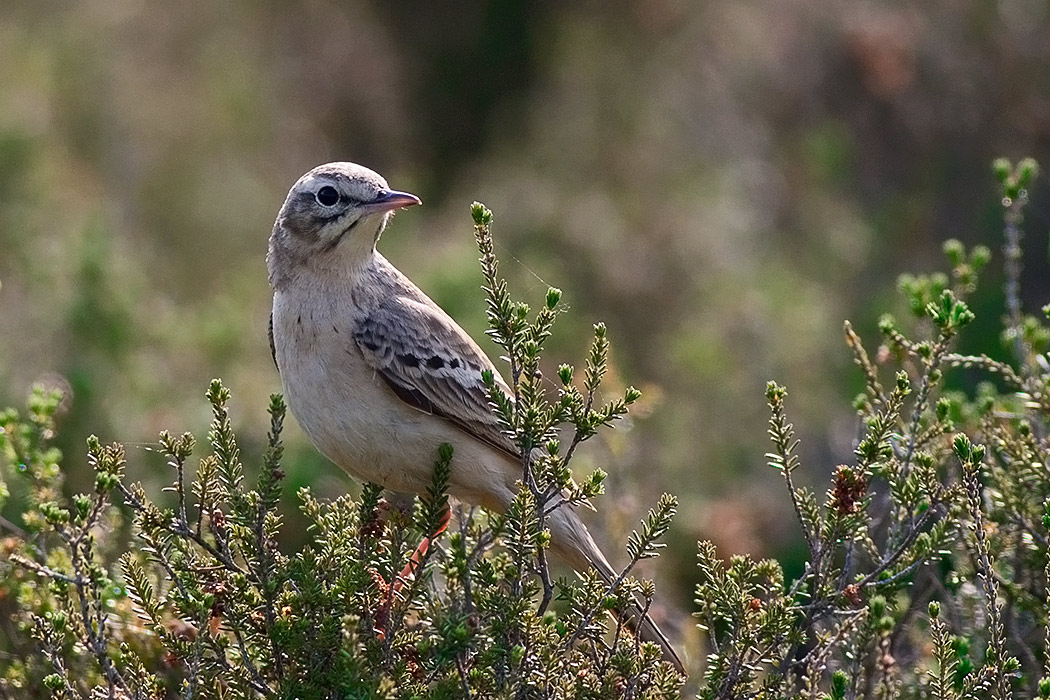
(433, 365)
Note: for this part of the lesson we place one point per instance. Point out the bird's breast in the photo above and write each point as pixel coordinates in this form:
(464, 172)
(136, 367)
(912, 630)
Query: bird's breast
(341, 402)
(331, 391)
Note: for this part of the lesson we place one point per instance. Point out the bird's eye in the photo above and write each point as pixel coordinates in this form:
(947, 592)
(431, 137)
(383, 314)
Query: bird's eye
(327, 196)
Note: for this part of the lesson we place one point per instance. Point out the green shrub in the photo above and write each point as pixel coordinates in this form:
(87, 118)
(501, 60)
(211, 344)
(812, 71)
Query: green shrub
(927, 555)
(927, 571)
(203, 604)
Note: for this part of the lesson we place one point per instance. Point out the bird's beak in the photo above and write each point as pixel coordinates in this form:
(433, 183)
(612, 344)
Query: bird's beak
(389, 200)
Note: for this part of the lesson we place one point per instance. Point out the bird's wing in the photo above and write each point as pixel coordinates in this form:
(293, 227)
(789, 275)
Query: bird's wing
(432, 365)
(273, 346)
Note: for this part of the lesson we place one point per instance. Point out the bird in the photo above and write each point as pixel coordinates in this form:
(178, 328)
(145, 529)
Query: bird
(378, 375)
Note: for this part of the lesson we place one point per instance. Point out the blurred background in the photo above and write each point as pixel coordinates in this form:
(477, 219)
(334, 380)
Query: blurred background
(722, 183)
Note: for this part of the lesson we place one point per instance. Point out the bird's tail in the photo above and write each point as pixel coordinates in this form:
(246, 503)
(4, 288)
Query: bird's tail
(642, 624)
(571, 541)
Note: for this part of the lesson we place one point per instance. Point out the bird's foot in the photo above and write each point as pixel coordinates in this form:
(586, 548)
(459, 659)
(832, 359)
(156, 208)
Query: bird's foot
(390, 591)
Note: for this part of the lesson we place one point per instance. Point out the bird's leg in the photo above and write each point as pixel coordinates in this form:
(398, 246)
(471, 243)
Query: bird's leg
(417, 556)
(390, 591)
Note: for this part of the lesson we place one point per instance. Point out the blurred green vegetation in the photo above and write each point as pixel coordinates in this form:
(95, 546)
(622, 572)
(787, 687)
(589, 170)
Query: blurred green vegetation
(722, 183)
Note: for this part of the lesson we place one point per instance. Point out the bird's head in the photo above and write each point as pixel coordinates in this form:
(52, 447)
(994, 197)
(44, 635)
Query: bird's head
(337, 210)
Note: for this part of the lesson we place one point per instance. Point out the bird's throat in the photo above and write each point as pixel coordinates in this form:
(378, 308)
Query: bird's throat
(338, 238)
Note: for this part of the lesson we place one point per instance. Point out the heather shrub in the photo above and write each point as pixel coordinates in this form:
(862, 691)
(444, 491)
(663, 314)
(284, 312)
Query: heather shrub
(927, 553)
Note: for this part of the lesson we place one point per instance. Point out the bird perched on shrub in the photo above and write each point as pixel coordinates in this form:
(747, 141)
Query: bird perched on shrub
(376, 373)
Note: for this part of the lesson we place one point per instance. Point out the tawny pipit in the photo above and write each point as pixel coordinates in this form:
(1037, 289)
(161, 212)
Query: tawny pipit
(376, 373)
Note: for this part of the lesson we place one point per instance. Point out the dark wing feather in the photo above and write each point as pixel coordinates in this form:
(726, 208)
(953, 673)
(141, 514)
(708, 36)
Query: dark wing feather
(431, 364)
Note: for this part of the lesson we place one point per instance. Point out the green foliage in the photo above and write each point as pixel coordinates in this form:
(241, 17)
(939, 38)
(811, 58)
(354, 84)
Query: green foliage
(382, 601)
(927, 572)
(534, 418)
